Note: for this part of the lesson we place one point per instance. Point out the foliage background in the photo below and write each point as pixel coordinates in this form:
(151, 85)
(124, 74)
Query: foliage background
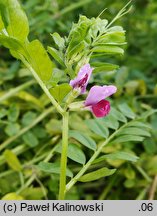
(137, 86)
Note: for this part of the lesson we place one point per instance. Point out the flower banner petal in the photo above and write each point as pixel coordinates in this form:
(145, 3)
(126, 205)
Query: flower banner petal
(98, 93)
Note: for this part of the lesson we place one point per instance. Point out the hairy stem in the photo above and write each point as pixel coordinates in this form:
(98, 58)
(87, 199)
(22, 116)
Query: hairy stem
(62, 186)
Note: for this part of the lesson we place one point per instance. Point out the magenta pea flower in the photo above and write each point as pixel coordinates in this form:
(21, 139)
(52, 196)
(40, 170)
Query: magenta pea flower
(82, 79)
(96, 102)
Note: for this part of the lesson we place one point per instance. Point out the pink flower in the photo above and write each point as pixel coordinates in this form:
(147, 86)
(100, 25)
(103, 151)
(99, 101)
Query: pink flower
(82, 79)
(95, 100)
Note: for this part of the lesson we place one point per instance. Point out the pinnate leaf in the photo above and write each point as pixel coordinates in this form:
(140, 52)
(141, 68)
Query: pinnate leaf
(97, 127)
(74, 153)
(12, 160)
(30, 139)
(118, 155)
(134, 131)
(12, 196)
(39, 60)
(14, 19)
(10, 42)
(127, 138)
(56, 55)
(12, 129)
(126, 110)
(83, 139)
(92, 176)
(59, 41)
(52, 168)
(108, 49)
(60, 91)
(118, 115)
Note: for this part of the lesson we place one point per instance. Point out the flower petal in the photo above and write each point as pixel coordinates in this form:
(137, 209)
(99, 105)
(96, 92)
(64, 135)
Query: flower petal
(101, 109)
(82, 78)
(98, 93)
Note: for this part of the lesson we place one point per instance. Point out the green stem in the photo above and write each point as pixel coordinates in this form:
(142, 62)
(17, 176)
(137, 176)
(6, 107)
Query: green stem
(21, 178)
(16, 90)
(143, 173)
(71, 7)
(17, 150)
(88, 164)
(33, 177)
(46, 155)
(33, 161)
(142, 194)
(73, 94)
(108, 188)
(121, 13)
(148, 96)
(30, 180)
(4, 122)
(24, 130)
(43, 86)
(64, 156)
(42, 188)
(153, 188)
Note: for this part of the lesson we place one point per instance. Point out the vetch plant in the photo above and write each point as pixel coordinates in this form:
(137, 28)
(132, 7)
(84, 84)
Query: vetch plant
(75, 60)
(82, 79)
(95, 100)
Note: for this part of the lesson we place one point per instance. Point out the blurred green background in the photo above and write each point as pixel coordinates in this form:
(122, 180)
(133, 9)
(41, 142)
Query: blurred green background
(136, 80)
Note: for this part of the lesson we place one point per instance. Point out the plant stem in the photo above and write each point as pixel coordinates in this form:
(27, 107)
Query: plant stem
(108, 188)
(73, 94)
(43, 86)
(30, 180)
(35, 160)
(46, 155)
(24, 130)
(71, 7)
(153, 189)
(143, 173)
(33, 177)
(142, 194)
(62, 186)
(21, 178)
(121, 13)
(148, 96)
(88, 164)
(16, 90)
(17, 150)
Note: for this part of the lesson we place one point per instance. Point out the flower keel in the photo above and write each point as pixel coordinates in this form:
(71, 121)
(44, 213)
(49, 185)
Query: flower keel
(95, 100)
(101, 109)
